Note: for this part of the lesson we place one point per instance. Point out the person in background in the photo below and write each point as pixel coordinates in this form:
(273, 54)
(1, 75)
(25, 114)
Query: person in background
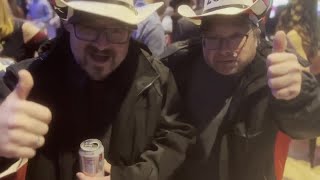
(17, 11)
(19, 39)
(94, 81)
(237, 97)
(272, 21)
(167, 24)
(150, 32)
(298, 21)
(40, 13)
(23, 5)
(183, 28)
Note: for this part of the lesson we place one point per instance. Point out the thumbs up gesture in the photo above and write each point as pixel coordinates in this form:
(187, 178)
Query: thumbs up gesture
(284, 70)
(23, 123)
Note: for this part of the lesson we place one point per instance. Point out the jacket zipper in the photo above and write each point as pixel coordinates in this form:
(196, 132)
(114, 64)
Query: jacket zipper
(148, 85)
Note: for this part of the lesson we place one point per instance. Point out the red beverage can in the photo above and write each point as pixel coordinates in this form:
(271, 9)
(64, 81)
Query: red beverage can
(92, 158)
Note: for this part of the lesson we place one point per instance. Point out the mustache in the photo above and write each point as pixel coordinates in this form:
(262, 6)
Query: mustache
(105, 52)
(229, 57)
(233, 55)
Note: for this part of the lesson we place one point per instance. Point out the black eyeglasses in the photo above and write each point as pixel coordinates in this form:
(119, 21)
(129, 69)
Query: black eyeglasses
(113, 35)
(237, 41)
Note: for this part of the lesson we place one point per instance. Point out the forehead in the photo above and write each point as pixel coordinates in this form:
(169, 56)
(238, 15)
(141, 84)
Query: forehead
(226, 24)
(95, 21)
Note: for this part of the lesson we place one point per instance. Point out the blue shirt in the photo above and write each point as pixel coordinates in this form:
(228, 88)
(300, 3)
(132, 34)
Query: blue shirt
(40, 10)
(150, 32)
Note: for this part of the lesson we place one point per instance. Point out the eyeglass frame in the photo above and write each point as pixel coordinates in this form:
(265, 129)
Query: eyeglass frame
(100, 31)
(246, 36)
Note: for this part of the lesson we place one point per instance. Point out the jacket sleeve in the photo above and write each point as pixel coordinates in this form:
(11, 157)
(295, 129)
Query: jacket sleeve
(300, 117)
(10, 78)
(168, 147)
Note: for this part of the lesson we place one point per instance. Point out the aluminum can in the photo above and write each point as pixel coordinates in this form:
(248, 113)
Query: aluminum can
(92, 158)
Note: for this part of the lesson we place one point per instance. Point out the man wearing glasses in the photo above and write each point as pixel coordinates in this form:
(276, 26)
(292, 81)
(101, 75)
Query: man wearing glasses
(93, 81)
(237, 98)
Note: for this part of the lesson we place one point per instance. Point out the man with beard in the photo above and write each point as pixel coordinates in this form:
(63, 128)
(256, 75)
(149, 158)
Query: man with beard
(237, 98)
(93, 82)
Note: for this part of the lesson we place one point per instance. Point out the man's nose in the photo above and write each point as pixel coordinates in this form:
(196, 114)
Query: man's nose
(225, 48)
(102, 41)
(224, 44)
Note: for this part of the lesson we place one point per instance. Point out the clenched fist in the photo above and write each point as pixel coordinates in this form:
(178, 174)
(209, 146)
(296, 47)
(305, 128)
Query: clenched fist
(23, 123)
(284, 70)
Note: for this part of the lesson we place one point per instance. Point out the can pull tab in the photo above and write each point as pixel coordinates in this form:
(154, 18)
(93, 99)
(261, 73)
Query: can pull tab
(91, 145)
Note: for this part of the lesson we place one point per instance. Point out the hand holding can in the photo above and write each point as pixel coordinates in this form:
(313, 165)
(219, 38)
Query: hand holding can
(92, 158)
(107, 169)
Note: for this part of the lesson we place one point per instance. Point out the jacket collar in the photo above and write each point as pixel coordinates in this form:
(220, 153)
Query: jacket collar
(146, 74)
(255, 76)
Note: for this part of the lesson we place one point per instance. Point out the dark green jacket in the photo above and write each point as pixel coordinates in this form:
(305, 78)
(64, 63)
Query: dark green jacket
(246, 125)
(146, 140)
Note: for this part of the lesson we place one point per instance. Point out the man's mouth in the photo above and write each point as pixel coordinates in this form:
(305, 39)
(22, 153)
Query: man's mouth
(227, 61)
(100, 58)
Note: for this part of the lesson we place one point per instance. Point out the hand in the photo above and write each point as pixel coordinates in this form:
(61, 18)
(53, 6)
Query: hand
(284, 70)
(23, 123)
(107, 169)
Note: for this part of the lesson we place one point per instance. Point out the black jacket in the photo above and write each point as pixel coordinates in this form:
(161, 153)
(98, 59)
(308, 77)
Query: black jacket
(239, 139)
(142, 135)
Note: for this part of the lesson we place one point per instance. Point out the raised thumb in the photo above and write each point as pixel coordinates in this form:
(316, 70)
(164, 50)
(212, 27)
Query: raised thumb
(24, 85)
(280, 42)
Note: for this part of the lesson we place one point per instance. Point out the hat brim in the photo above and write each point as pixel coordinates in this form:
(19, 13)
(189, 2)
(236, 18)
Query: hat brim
(115, 11)
(186, 11)
(258, 8)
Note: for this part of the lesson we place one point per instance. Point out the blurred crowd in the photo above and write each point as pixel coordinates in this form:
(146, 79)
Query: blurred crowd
(167, 26)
